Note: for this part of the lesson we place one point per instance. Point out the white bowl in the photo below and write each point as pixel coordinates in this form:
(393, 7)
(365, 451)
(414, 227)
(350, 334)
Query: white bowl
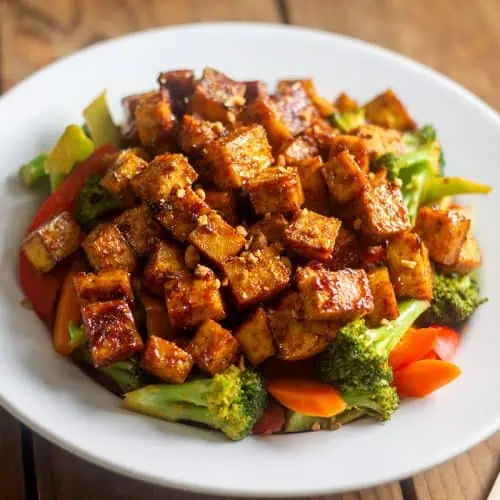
(55, 399)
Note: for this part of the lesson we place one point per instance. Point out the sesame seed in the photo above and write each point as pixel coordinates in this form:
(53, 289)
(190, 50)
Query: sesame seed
(316, 426)
(410, 264)
(241, 231)
(181, 193)
(357, 224)
(201, 194)
(202, 220)
(398, 182)
(384, 321)
(202, 271)
(225, 282)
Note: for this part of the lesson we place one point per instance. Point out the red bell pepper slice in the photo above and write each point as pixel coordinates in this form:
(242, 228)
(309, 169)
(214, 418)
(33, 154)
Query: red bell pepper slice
(446, 344)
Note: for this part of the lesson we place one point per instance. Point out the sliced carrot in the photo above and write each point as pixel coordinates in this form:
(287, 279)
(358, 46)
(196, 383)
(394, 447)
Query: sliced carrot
(307, 396)
(423, 377)
(446, 344)
(415, 345)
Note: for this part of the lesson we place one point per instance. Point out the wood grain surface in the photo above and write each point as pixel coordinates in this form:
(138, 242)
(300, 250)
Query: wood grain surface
(459, 38)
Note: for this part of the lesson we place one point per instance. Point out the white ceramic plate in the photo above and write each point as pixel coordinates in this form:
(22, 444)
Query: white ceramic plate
(59, 402)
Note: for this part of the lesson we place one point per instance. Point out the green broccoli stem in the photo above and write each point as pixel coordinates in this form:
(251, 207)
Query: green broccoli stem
(76, 335)
(125, 374)
(439, 187)
(414, 187)
(32, 172)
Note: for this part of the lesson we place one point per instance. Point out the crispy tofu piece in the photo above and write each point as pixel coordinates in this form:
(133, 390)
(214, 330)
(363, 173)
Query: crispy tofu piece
(295, 337)
(254, 90)
(298, 149)
(224, 202)
(334, 295)
(312, 235)
(213, 348)
(194, 298)
(52, 242)
(410, 267)
(256, 276)
(238, 156)
(324, 106)
(166, 361)
(387, 110)
(344, 102)
(106, 248)
(255, 337)
(314, 186)
(346, 253)
(157, 324)
(164, 174)
(218, 98)
(322, 133)
(108, 285)
(165, 263)
(180, 86)
(196, 134)
(139, 228)
(355, 146)
(215, 238)
(384, 298)
(378, 140)
(444, 233)
(276, 189)
(272, 226)
(468, 260)
(111, 332)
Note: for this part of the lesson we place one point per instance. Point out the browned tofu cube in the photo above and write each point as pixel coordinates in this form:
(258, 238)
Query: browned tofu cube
(52, 242)
(312, 235)
(344, 178)
(108, 285)
(238, 156)
(388, 111)
(218, 98)
(165, 263)
(272, 226)
(322, 133)
(355, 146)
(384, 298)
(314, 185)
(298, 149)
(468, 260)
(324, 106)
(276, 189)
(255, 338)
(346, 253)
(157, 323)
(256, 276)
(196, 134)
(223, 202)
(215, 238)
(295, 337)
(334, 295)
(379, 140)
(344, 102)
(111, 331)
(409, 267)
(254, 90)
(106, 248)
(164, 174)
(444, 232)
(194, 298)
(180, 86)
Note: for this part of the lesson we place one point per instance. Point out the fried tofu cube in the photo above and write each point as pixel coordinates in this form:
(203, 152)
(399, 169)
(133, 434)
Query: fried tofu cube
(238, 156)
(166, 361)
(344, 102)
(297, 338)
(223, 202)
(444, 232)
(468, 260)
(321, 132)
(111, 332)
(108, 285)
(165, 263)
(164, 174)
(157, 324)
(52, 242)
(106, 248)
(334, 295)
(194, 298)
(388, 111)
(213, 348)
(312, 235)
(410, 267)
(324, 106)
(256, 276)
(255, 337)
(180, 86)
(196, 134)
(384, 298)
(215, 238)
(218, 98)
(379, 140)
(346, 253)
(355, 146)
(298, 149)
(272, 226)
(276, 189)
(314, 185)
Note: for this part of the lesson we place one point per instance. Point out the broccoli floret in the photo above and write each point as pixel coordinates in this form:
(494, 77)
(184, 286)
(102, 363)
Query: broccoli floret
(348, 120)
(298, 422)
(231, 401)
(455, 300)
(381, 401)
(93, 202)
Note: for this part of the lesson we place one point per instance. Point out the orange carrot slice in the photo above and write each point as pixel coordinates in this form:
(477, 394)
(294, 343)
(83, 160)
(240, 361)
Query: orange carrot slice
(446, 344)
(415, 345)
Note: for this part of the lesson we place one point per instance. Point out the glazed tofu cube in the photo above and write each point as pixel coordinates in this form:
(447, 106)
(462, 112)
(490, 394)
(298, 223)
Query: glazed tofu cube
(194, 298)
(215, 238)
(444, 232)
(384, 298)
(298, 149)
(111, 332)
(297, 338)
(355, 146)
(108, 285)
(312, 235)
(52, 242)
(321, 132)
(166, 361)
(323, 105)
(346, 253)
(213, 348)
(468, 260)
(272, 226)
(238, 156)
(276, 189)
(223, 202)
(106, 248)
(218, 98)
(314, 186)
(139, 228)
(388, 111)
(379, 140)
(409, 267)
(180, 86)
(154, 117)
(157, 323)
(256, 276)
(255, 337)
(196, 134)
(344, 178)
(344, 102)
(334, 295)
(164, 174)
(165, 263)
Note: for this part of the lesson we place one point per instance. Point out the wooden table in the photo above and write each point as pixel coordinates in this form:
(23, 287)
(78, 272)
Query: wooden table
(458, 37)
